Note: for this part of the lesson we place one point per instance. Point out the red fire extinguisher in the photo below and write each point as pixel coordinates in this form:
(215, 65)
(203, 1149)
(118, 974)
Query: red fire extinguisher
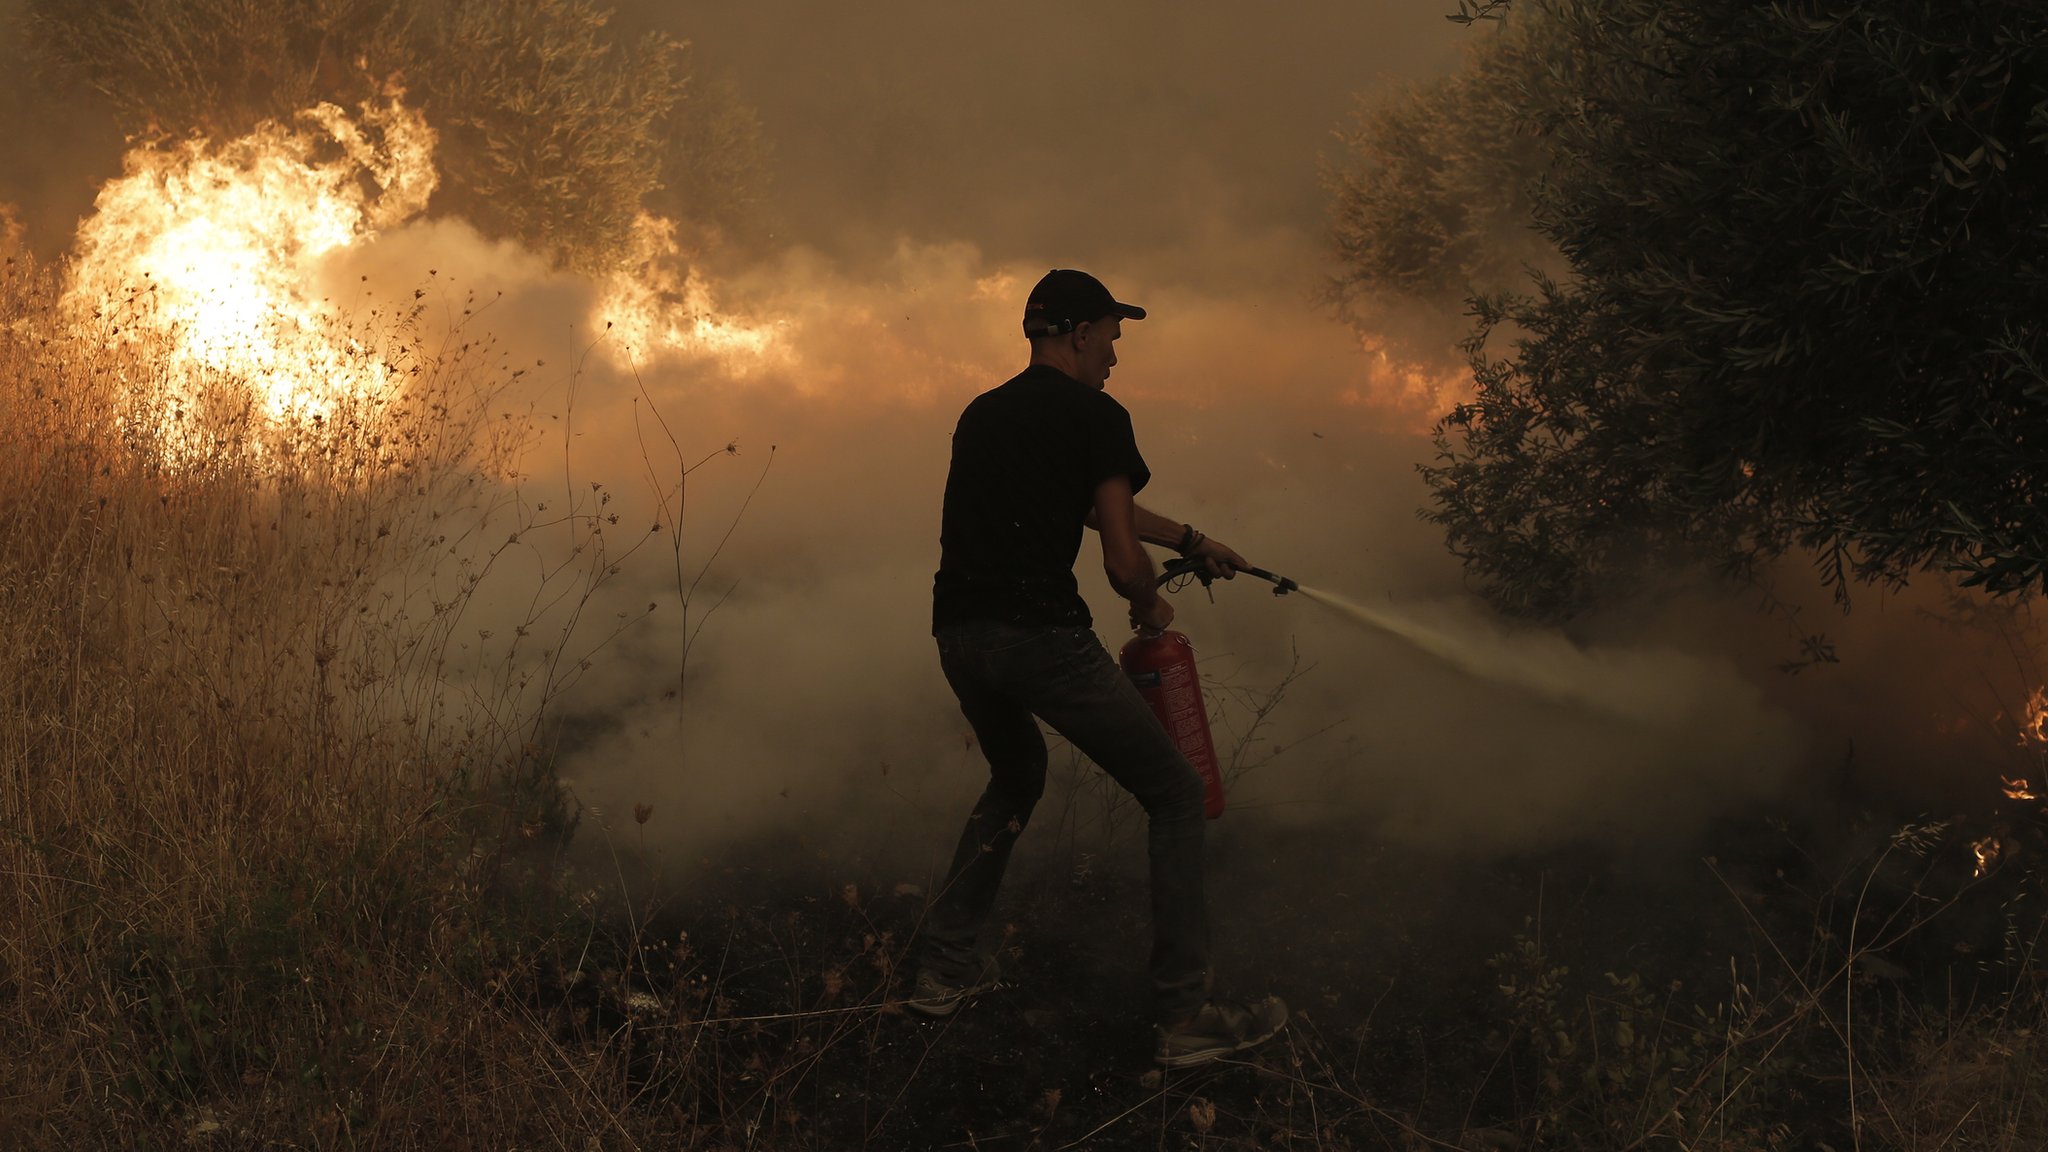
(1162, 665)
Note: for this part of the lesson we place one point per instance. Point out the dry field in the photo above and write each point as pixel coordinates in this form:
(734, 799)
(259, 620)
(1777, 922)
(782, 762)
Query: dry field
(251, 827)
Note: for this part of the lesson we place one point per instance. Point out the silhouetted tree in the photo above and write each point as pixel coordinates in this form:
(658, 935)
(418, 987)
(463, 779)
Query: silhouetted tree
(1807, 250)
(220, 66)
(552, 131)
(1435, 203)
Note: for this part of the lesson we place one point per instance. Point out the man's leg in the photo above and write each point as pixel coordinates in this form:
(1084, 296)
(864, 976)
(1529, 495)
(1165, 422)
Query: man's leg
(1084, 695)
(1015, 751)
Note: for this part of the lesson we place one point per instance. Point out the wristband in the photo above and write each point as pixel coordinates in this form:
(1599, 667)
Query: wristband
(1189, 540)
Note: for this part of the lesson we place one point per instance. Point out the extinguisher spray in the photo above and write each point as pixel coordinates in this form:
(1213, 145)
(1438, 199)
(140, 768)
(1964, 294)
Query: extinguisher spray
(1162, 665)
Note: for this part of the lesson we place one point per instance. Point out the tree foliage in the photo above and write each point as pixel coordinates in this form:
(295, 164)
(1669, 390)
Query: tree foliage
(714, 161)
(1806, 252)
(220, 66)
(1436, 203)
(553, 130)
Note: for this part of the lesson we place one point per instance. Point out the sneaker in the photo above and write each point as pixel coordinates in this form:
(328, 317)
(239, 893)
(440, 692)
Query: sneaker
(1217, 1029)
(937, 996)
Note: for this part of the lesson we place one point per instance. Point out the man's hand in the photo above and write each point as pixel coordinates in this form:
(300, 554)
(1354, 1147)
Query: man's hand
(1221, 559)
(1154, 614)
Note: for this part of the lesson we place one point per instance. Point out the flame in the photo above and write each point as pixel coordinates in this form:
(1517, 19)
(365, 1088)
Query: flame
(1987, 851)
(2034, 726)
(209, 258)
(657, 306)
(1420, 393)
(2018, 789)
(221, 249)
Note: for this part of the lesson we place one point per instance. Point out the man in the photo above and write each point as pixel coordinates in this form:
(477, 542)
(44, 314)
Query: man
(1034, 461)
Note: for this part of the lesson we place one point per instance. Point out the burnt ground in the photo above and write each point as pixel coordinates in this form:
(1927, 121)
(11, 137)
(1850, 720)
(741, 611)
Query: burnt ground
(767, 1018)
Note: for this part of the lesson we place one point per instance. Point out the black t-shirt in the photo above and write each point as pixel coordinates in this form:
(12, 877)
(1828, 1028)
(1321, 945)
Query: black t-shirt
(1027, 457)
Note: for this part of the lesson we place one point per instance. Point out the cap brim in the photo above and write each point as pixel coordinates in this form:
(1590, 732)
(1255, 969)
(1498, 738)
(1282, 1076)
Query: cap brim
(1127, 311)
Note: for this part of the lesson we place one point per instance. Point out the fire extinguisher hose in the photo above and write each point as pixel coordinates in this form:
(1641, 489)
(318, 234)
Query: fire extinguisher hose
(1182, 569)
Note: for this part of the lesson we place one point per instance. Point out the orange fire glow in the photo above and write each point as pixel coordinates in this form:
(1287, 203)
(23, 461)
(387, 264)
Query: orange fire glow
(1419, 393)
(2018, 790)
(659, 307)
(223, 248)
(215, 259)
(2034, 722)
(1987, 852)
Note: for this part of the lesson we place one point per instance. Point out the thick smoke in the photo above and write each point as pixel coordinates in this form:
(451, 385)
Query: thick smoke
(811, 690)
(57, 153)
(930, 167)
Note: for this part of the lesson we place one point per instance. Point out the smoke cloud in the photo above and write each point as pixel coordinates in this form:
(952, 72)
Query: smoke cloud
(812, 693)
(58, 151)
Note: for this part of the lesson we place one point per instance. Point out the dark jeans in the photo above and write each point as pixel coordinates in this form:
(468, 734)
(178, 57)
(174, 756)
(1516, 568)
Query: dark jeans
(1004, 676)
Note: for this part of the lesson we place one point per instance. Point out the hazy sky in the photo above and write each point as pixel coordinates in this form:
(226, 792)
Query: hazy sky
(931, 158)
(1101, 131)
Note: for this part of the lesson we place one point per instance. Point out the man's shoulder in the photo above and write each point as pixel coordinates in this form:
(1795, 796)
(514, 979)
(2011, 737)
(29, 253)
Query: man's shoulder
(1035, 387)
(1041, 380)
(1040, 384)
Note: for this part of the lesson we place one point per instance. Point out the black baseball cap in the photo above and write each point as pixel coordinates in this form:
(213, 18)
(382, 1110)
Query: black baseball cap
(1064, 298)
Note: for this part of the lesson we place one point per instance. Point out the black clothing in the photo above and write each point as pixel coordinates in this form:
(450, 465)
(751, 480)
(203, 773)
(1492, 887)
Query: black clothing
(1016, 644)
(1027, 458)
(1004, 676)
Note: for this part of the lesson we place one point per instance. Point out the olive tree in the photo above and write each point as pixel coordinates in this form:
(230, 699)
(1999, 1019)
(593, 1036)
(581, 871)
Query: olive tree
(219, 66)
(1435, 203)
(1805, 249)
(554, 130)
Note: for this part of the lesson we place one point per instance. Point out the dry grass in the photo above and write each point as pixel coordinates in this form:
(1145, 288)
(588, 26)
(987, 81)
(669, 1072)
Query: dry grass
(251, 820)
(1819, 1039)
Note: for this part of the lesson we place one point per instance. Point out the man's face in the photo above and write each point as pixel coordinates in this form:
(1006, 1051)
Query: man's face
(1095, 350)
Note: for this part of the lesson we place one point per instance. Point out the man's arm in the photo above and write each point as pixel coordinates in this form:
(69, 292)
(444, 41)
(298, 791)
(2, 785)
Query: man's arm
(1124, 560)
(1153, 528)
